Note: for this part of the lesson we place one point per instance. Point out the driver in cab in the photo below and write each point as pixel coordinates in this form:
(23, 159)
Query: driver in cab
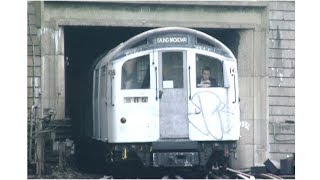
(205, 80)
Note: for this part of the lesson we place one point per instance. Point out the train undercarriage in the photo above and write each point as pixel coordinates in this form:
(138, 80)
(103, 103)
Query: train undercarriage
(97, 156)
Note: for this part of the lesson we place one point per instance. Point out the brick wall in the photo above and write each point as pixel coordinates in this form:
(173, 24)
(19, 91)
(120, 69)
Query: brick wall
(34, 52)
(281, 71)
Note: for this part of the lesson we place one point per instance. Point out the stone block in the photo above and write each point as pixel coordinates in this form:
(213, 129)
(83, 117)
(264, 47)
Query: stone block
(281, 72)
(282, 101)
(283, 148)
(282, 15)
(36, 50)
(282, 63)
(37, 71)
(33, 39)
(36, 81)
(37, 61)
(281, 25)
(282, 82)
(282, 53)
(32, 30)
(282, 110)
(31, 19)
(281, 44)
(281, 138)
(276, 91)
(281, 128)
(30, 7)
(282, 5)
(282, 34)
(278, 119)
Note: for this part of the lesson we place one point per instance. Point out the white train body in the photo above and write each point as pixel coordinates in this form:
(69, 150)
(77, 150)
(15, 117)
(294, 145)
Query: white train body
(165, 101)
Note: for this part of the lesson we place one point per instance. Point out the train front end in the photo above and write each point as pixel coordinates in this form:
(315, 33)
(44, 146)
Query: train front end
(168, 98)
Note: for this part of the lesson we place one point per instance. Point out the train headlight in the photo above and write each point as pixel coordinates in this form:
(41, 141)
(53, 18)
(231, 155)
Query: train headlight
(123, 120)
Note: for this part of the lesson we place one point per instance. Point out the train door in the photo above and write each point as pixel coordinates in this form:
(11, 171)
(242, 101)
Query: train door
(173, 95)
(103, 104)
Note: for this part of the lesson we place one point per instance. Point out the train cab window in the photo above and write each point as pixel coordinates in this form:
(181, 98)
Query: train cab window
(209, 72)
(136, 73)
(172, 70)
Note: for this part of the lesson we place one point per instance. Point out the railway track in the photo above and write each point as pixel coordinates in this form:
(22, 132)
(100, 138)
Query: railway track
(227, 173)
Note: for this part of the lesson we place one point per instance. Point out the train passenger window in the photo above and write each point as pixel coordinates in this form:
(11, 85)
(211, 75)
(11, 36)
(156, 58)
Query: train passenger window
(103, 82)
(96, 91)
(172, 70)
(136, 73)
(96, 83)
(209, 71)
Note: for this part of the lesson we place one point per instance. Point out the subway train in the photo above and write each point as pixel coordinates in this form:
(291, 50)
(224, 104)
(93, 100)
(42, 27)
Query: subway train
(167, 97)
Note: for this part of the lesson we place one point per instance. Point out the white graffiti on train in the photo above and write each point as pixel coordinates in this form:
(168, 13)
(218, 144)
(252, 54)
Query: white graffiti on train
(216, 110)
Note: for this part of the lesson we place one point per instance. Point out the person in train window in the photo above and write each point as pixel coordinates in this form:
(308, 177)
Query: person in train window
(206, 80)
(129, 75)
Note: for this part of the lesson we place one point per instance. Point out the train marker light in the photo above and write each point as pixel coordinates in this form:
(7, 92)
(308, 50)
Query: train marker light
(123, 120)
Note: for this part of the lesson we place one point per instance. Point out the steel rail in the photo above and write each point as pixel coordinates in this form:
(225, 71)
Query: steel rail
(249, 176)
(270, 176)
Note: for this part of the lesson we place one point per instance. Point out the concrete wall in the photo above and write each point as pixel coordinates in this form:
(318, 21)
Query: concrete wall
(281, 72)
(252, 146)
(46, 60)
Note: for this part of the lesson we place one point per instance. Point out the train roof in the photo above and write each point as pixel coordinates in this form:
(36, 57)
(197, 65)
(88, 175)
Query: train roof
(168, 37)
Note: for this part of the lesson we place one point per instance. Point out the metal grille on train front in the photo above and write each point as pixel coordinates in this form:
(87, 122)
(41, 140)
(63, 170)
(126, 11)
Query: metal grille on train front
(167, 86)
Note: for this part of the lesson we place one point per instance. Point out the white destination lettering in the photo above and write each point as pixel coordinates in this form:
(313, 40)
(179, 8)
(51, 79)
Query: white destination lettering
(172, 40)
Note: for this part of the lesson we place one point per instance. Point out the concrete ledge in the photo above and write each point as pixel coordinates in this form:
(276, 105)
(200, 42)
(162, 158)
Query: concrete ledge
(199, 3)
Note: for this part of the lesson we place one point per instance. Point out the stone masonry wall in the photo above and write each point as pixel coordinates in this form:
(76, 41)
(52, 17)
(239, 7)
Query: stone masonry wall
(281, 72)
(34, 52)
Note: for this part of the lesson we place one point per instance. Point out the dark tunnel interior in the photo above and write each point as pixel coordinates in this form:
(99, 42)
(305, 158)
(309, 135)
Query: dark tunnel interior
(84, 44)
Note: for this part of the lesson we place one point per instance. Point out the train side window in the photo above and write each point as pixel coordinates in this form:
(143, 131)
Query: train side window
(136, 73)
(96, 83)
(209, 72)
(96, 91)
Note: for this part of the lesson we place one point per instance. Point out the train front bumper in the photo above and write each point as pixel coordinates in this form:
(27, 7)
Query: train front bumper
(175, 159)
